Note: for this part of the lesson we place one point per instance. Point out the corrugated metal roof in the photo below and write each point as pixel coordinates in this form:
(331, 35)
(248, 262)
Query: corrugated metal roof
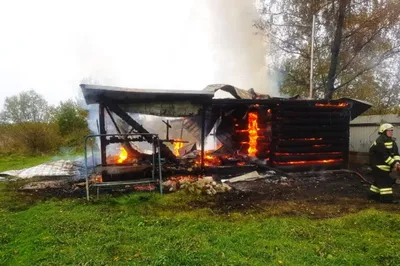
(129, 96)
(96, 93)
(376, 119)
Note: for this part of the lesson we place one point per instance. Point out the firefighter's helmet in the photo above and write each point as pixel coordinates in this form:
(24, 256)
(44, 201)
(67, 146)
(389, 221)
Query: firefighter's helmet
(385, 127)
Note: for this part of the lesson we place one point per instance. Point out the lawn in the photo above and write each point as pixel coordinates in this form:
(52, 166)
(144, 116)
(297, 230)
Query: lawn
(149, 229)
(15, 162)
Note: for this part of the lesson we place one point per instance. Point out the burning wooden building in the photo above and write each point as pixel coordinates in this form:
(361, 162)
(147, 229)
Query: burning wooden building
(288, 134)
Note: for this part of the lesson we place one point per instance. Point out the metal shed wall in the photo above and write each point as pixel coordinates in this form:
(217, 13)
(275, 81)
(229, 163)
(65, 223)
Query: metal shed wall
(364, 130)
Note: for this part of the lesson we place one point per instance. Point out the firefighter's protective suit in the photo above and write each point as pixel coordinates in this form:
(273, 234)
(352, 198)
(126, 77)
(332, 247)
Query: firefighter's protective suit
(384, 157)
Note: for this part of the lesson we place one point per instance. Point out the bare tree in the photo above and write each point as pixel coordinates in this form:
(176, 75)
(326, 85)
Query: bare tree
(337, 41)
(352, 39)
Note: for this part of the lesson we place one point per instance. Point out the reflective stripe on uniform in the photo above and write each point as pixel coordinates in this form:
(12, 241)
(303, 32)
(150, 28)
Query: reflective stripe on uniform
(389, 160)
(388, 145)
(374, 189)
(396, 157)
(373, 143)
(384, 167)
(385, 191)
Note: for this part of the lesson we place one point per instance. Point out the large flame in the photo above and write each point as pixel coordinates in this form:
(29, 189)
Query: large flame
(253, 133)
(177, 145)
(123, 155)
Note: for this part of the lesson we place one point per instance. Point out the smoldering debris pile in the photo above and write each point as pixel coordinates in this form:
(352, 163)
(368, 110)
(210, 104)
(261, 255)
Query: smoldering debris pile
(205, 185)
(208, 186)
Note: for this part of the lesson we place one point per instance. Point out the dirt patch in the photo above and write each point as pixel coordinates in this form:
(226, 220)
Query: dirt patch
(316, 195)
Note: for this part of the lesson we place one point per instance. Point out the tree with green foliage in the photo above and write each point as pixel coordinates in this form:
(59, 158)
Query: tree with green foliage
(31, 126)
(70, 117)
(71, 121)
(27, 126)
(28, 106)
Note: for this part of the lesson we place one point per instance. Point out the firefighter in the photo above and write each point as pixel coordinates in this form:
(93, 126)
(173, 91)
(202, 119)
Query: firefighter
(384, 158)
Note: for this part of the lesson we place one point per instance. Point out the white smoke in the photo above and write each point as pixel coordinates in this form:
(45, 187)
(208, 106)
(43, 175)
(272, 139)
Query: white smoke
(239, 51)
(214, 42)
(203, 42)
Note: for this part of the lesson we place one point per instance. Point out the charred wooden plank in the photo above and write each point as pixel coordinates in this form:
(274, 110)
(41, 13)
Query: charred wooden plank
(309, 114)
(305, 134)
(309, 167)
(314, 109)
(310, 143)
(310, 129)
(332, 148)
(313, 121)
(322, 156)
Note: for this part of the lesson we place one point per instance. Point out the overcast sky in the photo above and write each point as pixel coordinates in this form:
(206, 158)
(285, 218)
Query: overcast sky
(50, 46)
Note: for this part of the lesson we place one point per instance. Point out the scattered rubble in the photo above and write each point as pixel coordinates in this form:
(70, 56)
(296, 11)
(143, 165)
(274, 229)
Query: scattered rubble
(50, 184)
(60, 168)
(254, 175)
(205, 185)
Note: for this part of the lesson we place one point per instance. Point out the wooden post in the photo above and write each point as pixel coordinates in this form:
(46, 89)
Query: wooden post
(203, 130)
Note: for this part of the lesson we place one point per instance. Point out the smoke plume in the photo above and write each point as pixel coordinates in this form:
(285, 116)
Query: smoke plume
(239, 51)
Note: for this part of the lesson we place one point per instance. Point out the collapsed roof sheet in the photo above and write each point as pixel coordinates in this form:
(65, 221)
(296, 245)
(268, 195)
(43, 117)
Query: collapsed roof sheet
(236, 92)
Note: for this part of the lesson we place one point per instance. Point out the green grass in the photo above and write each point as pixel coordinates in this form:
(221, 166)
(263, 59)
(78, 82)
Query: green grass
(15, 161)
(147, 229)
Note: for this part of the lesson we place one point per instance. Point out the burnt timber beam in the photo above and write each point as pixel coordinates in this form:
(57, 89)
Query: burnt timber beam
(203, 137)
(314, 157)
(164, 150)
(347, 137)
(126, 144)
(103, 140)
(308, 167)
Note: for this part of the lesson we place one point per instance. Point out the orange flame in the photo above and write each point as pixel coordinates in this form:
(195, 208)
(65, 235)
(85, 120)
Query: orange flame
(305, 153)
(209, 160)
(339, 105)
(321, 145)
(97, 179)
(253, 134)
(123, 155)
(310, 162)
(177, 145)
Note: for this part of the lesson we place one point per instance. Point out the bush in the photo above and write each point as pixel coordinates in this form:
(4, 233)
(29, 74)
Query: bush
(30, 138)
(72, 125)
(70, 118)
(31, 127)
